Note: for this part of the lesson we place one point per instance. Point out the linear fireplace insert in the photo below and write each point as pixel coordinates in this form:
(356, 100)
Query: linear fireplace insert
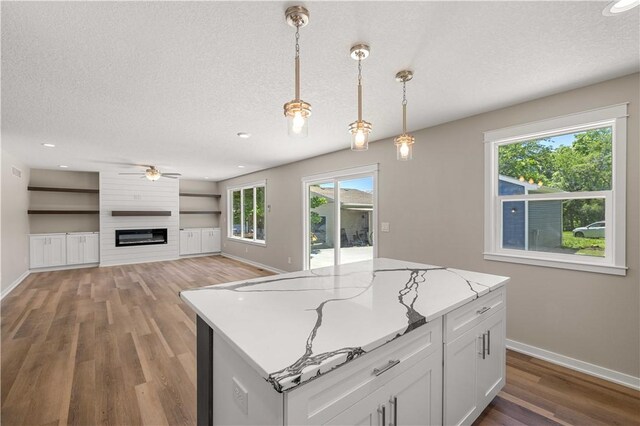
(140, 237)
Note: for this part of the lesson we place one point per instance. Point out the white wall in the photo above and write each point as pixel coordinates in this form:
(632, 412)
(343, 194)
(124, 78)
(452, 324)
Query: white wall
(15, 223)
(132, 193)
(435, 205)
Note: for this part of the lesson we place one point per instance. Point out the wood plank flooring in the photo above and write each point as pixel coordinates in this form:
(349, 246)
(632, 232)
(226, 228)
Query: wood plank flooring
(116, 345)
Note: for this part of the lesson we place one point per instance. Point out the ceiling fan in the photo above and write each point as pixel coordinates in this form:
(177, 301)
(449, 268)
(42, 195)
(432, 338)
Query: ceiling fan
(152, 173)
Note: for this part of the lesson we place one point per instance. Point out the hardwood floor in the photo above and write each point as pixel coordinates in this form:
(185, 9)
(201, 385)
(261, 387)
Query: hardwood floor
(116, 345)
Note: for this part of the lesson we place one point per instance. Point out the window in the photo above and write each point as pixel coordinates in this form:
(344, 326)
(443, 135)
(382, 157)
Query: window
(246, 213)
(555, 192)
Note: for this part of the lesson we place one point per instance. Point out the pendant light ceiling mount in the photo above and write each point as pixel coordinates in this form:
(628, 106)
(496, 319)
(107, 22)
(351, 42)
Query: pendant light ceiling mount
(297, 16)
(297, 111)
(360, 129)
(404, 142)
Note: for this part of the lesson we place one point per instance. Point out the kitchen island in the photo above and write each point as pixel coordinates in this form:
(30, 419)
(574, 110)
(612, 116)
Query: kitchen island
(375, 342)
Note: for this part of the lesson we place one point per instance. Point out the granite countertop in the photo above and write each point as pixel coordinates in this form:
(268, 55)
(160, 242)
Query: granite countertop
(293, 327)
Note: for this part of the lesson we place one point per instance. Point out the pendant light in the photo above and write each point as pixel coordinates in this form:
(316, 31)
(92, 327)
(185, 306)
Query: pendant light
(297, 111)
(404, 142)
(360, 129)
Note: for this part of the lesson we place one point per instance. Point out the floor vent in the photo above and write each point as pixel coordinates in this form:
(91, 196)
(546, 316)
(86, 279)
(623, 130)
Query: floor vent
(16, 172)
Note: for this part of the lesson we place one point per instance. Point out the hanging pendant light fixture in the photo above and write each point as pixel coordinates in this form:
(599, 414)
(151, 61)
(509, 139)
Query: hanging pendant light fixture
(360, 129)
(297, 111)
(404, 142)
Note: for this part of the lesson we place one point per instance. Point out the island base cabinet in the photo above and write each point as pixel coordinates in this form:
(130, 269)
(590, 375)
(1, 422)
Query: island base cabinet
(474, 370)
(412, 398)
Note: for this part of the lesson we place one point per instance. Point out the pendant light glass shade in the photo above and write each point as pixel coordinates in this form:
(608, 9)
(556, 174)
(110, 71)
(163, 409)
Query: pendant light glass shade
(404, 142)
(360, 129)
(297, 111)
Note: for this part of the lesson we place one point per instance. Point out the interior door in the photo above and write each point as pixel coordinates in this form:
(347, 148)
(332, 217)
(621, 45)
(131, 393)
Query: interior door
(341, 220)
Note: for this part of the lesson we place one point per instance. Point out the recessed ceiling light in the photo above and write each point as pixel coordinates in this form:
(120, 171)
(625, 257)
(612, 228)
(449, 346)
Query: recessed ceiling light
(241, 167)
(244, 135)
(48, 145)
(619, 6)
(62, 166)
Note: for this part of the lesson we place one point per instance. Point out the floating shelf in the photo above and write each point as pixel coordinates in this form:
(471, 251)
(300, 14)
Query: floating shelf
(140, 213)
(63, 211)
(200, 212)
(193, 194)
(51, 189)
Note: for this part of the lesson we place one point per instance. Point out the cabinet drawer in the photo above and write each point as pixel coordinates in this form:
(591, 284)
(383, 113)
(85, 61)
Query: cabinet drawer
(320, 400)
(467, 316)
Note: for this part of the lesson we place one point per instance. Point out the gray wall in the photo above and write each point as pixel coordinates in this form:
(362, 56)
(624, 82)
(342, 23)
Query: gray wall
(435, 205)
(15, 223)
(199, 203)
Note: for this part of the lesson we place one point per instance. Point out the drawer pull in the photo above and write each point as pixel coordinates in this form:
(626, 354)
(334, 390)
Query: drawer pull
(488, 342)
(483, 310)
(391, 363)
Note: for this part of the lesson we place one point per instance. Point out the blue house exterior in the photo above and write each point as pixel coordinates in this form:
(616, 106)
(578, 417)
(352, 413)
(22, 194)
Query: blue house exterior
(529, 225)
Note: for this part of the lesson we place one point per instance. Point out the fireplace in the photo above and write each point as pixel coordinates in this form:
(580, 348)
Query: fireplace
(140, 237)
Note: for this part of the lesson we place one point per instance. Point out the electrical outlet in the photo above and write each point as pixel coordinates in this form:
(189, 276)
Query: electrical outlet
(384, 226)
(240, 396)
(289, 260)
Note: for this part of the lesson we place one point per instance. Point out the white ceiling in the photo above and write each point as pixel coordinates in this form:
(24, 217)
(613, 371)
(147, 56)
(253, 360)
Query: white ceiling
(171, 83)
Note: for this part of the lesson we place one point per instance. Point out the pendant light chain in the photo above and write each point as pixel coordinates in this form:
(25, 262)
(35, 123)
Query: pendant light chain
(404, 107)
(297, 40)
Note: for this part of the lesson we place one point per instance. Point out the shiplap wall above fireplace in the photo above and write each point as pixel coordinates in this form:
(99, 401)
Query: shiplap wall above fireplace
(134, 194)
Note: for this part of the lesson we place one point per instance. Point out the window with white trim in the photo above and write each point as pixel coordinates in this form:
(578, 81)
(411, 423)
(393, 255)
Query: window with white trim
(555, 192)
(246, 212)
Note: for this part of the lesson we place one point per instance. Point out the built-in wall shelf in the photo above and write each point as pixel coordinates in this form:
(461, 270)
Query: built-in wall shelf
(63, 211)
(52, 189)
(200, 212)
(195, 194)
(140, 213)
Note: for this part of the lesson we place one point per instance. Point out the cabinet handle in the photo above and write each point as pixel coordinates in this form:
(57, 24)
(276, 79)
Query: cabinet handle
(383, 411)
(483, 310)
(488, 342)
(484, 345)
(391, 363)
(394, 402)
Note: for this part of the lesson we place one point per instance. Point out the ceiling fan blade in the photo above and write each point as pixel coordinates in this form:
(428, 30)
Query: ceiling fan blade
(169, 177)
(171, 174)
(131, 173)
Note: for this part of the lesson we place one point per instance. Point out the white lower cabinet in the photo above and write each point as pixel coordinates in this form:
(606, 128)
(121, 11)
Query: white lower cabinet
(83, 248)
(199, 240)
(411, 398)
(190, 241)
(47, 250)
(210, 240)
(474, 366)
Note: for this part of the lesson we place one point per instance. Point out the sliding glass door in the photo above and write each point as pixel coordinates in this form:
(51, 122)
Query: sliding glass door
(340, 217)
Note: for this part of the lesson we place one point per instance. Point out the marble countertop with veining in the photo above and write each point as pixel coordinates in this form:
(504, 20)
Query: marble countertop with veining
(293, 327)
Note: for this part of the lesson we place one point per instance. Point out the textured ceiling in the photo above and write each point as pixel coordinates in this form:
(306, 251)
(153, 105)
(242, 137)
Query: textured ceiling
(171, 83)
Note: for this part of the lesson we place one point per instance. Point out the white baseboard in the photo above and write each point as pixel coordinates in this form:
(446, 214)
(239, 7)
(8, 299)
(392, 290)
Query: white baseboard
(64, 267)
(576, 364)
(15, 284)
(252, 263)
(187, 256)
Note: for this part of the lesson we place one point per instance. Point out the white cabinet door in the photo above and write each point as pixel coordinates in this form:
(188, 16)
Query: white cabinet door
(75, 252)
(91, 248)
(210, 240)
(190, 241)
(491, 371)
(415, 396)
(37, 249)
(184, 242)
(195, 242)
(461, 359)
(57, 250)
(366, 412)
